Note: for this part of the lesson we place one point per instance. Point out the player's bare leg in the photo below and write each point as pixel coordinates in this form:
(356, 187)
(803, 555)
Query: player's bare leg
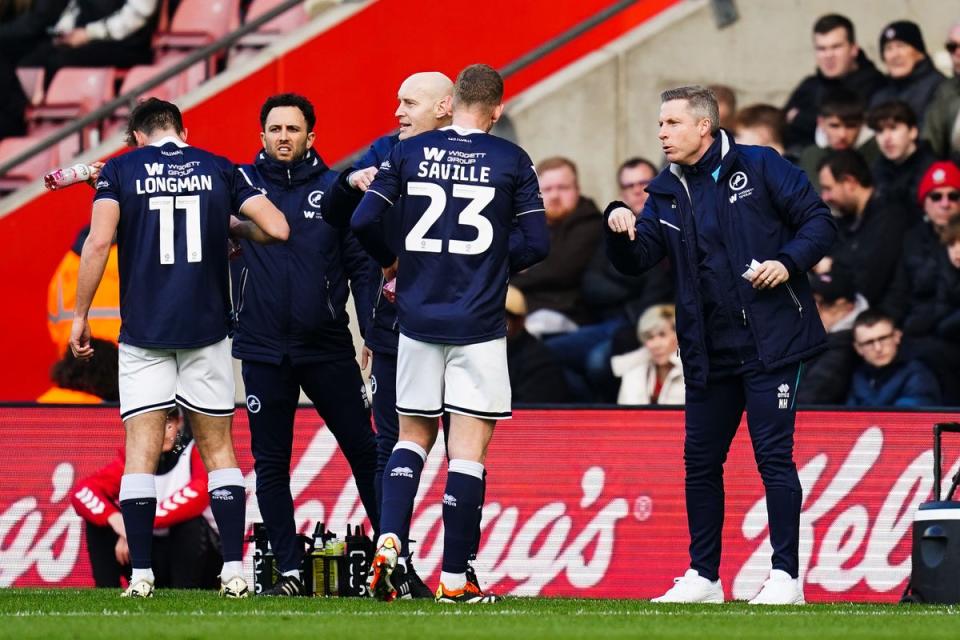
(462, 497)
(227, 496)
(401, 479)
(138, 495)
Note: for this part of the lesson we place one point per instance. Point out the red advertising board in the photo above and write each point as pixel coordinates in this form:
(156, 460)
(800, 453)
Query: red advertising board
(579, 503)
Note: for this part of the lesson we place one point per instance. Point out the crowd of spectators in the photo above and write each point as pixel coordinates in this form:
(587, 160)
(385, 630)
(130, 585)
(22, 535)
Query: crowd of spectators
(882, 150)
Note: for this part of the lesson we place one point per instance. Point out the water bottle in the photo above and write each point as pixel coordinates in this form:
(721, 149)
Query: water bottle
(60, 178)
(264, 562)
(359, 549)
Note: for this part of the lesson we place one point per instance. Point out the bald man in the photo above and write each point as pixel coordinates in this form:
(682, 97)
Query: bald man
(424, 104)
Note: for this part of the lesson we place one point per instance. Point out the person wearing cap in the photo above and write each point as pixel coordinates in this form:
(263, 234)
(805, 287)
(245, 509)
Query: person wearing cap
(826, 380)
(535, 377)
(911, 76)
(913, 283)
(941, 127)
(913, 298)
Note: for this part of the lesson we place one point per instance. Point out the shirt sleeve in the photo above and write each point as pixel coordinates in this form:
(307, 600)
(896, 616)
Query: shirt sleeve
(95, 497)
(242, 188)
(387, 183)
(527, 198)
(108, 184)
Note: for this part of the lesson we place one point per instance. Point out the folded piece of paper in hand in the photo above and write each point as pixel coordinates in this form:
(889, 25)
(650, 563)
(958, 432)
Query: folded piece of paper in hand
(751, 268)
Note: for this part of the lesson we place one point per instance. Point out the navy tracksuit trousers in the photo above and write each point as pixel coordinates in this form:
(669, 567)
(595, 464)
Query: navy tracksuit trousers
(335, 388)
(713, 414)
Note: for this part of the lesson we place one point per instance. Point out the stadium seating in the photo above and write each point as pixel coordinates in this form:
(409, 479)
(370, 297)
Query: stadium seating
(31, 78)
(27, 171)
(269, 32)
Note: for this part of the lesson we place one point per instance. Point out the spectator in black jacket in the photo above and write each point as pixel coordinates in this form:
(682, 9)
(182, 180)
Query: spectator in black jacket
(826, 378)
(534, 375)
(919, 298)
(904, 159)
(911, 75)
(871, 229)
(913, 290)
(840, 64)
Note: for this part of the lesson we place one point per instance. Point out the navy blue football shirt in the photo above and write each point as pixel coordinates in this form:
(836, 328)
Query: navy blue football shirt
(175, 204)
(458, 193)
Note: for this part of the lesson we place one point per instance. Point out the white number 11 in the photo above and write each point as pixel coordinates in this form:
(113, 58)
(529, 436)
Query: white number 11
(191, 206)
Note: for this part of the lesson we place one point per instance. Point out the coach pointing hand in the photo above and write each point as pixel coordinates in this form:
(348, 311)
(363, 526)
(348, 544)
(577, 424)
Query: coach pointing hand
(741, 226)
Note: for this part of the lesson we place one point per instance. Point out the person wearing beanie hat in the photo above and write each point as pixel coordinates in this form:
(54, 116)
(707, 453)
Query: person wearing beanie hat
(826, 378)
(944, 177)
(939, 196)
(911, 76)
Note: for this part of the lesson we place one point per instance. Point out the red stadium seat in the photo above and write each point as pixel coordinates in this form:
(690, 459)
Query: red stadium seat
(75, 91)
(199, 22)
(266, 34)
(25, 172)
(31, 78)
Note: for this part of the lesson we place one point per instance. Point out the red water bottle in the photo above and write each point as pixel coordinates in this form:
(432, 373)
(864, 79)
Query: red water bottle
(65, 177)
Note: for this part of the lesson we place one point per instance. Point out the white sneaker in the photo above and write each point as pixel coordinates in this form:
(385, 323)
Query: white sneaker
(235, 587)
(693, 588)
(141, 588)
(780, 588)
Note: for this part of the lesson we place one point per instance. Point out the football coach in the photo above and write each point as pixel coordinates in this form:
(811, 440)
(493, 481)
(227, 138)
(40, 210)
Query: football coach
(741, 227)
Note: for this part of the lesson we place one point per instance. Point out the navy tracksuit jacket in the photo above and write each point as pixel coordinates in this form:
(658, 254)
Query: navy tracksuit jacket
(741, 348)
(292, 332)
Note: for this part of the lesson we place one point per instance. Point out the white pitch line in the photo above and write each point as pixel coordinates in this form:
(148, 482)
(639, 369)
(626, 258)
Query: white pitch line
(902, 613)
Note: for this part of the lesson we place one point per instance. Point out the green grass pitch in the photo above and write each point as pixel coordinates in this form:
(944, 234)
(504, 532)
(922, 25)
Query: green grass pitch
(101, 614)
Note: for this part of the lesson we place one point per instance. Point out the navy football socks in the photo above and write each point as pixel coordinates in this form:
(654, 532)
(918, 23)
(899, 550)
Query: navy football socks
(401, 479)
(462, 498)
(138, 505)
(228, 503)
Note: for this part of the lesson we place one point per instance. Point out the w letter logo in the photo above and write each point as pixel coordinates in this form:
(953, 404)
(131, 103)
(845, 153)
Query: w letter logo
(154, 169)
(432, 153)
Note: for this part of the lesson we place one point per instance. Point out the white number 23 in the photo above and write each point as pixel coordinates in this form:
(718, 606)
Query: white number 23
(479, 198)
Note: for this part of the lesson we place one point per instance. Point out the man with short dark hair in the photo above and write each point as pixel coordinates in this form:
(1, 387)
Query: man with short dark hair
(840, 64)
(741, 227)
(170, 206)
(911, 76)
(840, 122)
(884, 378)
(292, 328)
(871, 228)
(904, 159)
(461, 192)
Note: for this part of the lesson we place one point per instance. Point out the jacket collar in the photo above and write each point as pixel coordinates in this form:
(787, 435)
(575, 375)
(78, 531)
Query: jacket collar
(672, 177)
(290, 174)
